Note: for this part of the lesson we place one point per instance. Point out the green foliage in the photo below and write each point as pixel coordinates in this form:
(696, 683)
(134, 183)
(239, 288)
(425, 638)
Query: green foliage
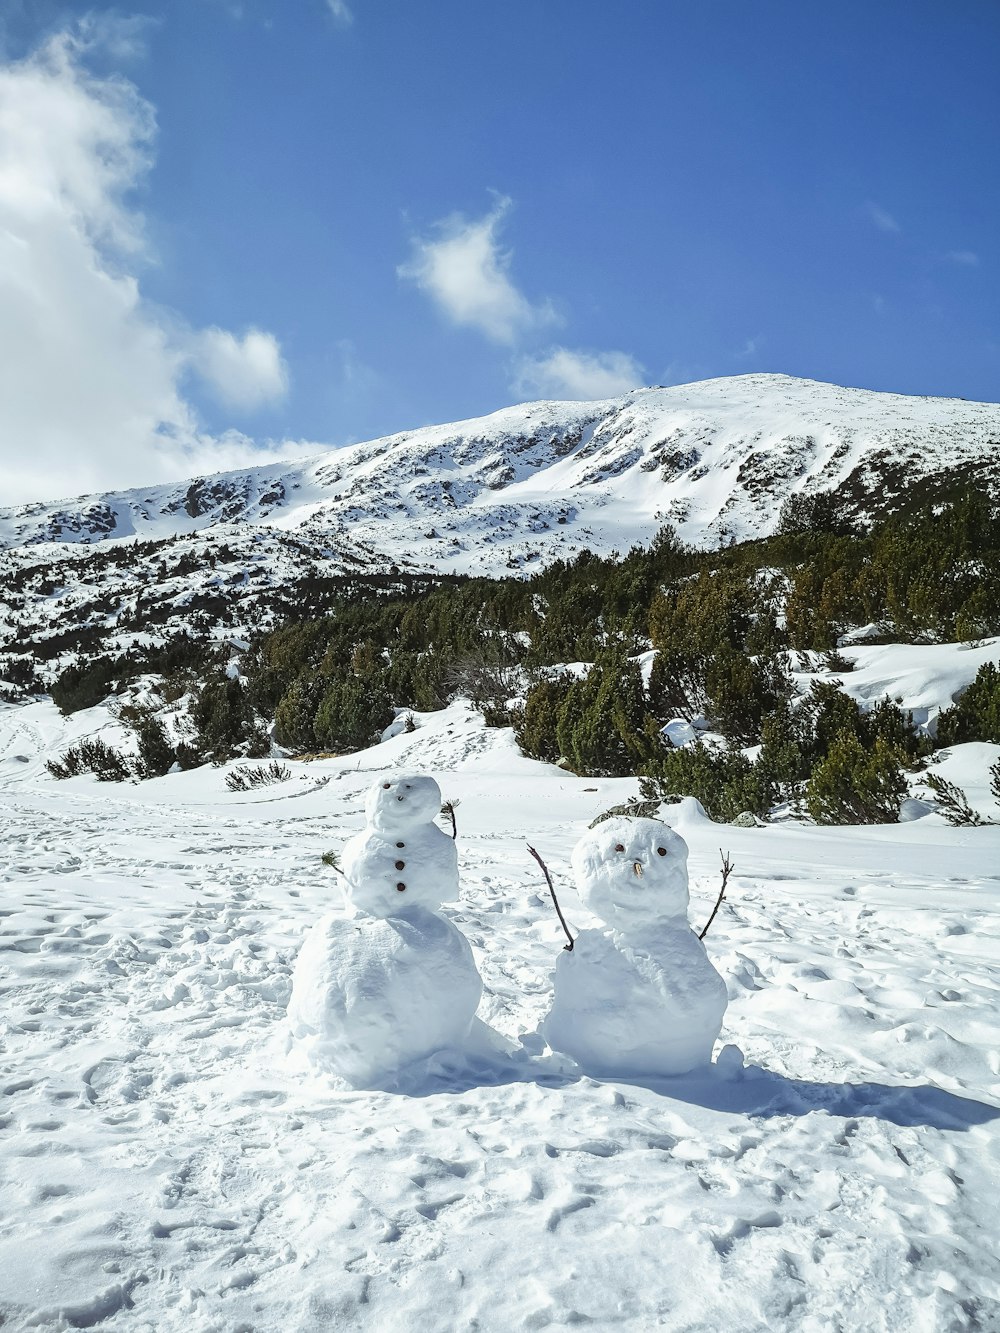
(92, 756)
(852, 785)
(225, 722)
(536, 725)
(717, 620)
(886, 721)
(821, 512)
(786, 748)
(725, 782)
(353, 712)
(741, 691)
(952, 802)
(721, 622)
(85, 685)
(294, 714)
(601, 725)
(976, 715)
(829, 713)
(156, 755)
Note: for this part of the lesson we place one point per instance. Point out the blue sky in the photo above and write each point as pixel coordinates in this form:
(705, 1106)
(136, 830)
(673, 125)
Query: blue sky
(330, 219)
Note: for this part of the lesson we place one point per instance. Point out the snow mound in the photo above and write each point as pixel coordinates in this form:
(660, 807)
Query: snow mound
(372, 997)
(640, 998)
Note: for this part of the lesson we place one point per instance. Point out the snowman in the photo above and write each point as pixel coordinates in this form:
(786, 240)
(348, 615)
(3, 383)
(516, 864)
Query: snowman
(388, 981)
(638, 997)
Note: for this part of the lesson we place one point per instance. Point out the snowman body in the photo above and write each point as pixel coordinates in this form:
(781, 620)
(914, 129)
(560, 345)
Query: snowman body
(638, 997)
(389, 982)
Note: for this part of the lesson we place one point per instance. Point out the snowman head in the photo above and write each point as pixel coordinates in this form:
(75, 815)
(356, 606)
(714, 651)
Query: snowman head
(400, 801)
(632, 873)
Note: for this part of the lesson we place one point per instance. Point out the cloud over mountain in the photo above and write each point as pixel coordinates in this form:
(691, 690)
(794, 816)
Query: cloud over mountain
(90, 373)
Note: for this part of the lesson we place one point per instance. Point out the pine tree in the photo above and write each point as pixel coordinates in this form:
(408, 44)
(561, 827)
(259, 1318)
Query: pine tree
(156, 754)
(854, 786)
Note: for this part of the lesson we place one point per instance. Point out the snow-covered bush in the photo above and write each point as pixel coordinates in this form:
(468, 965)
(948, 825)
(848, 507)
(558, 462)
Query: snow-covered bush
(246, 778)
(92, 756)
(725, 782)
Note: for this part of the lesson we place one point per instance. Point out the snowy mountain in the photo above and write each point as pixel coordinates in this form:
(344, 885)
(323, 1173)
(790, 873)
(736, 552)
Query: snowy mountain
(494, 495)
(715, 458)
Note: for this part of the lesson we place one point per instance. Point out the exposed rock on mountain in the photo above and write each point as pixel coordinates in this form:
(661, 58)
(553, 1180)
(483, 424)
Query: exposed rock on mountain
(495, 495)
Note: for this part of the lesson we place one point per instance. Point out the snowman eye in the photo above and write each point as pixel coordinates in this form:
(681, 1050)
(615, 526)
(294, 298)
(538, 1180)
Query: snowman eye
(661, 851)
(386, 786)
(619, 847)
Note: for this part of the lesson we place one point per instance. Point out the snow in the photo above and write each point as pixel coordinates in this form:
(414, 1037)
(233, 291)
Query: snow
(166, 1163)
(372, 997)
(929, 677)
(542, 481)
(679, 732)
(378, 990)
(632, 874)
(402, 858)
(639, 999)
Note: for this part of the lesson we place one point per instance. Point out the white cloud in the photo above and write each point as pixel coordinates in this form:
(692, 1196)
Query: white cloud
(340, 11)
(969, 258)
(90, 375)
(882, 219)
(466, 273)
(561, 372)
(748, 350)
(242, 372)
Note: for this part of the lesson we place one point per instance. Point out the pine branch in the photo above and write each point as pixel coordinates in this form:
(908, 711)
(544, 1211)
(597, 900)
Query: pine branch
(448, 809)
(952, 802)
(332, 860)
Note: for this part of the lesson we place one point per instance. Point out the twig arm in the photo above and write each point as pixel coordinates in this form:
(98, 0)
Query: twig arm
(727, 870)
(555, 901)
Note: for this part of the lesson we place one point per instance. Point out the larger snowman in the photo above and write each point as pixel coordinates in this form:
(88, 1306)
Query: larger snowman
(388, 982)
(638, 996)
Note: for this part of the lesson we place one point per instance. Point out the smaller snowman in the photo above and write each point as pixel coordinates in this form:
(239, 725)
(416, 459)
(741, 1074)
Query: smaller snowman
(639, 997)
(388, 982)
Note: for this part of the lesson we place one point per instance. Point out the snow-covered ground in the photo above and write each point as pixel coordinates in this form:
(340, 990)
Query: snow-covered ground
(167, 1164)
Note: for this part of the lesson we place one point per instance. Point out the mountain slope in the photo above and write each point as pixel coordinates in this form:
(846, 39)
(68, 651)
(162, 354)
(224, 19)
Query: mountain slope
(716, 458)
(496, 495)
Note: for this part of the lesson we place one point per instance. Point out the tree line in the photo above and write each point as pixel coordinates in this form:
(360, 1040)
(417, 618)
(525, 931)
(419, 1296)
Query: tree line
(555, 655)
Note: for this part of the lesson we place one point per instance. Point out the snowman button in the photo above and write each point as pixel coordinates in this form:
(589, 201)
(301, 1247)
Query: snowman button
(400, 844)
(400, 886)
(400, 865)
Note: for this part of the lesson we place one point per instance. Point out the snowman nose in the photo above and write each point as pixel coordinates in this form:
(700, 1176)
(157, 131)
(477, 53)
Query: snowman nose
(637, 868)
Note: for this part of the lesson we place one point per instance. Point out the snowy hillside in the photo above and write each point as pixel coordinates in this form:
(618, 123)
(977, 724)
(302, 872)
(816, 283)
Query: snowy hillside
(501, 495)
(717, 458)
(167, 1161)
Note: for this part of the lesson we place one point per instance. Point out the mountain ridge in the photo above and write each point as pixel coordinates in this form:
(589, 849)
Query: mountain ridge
(716, 458)
(233, 553)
